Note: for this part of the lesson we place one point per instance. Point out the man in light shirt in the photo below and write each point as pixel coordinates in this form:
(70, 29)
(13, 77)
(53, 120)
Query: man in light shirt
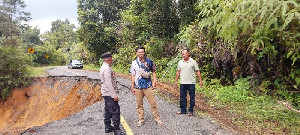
(142, 85)
(110, 95)
(186, 70)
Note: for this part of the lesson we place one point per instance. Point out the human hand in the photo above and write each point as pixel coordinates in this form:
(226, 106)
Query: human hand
(201, 84)
(154, 85)
(175, 85)
(114, 75)
(116, 98)
(133, 91)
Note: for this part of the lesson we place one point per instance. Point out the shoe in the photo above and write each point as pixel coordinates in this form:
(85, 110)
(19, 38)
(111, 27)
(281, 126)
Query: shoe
(179, 113)
(159, 123)
(118, 132)
(140, 123)
(190, 114)
(109, 129)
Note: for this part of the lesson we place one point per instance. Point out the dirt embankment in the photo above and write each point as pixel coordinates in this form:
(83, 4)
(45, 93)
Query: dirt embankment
(48, 99)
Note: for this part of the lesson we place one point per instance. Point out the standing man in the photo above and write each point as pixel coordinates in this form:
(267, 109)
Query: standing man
(186, 69)
(110, 95)
(141, 84)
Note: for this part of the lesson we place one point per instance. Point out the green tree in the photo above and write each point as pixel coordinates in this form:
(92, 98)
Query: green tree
(149, 19)
(57, 43)
(149, 23)
(163, 20)
(257, 38)
(187, 11)
(11, 16)
(98, 20)
(31, 37)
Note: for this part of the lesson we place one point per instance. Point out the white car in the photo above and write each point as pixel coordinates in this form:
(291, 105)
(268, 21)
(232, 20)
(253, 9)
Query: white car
(75, 64)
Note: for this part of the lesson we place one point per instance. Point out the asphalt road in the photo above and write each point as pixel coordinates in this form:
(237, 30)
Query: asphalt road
(90, 120)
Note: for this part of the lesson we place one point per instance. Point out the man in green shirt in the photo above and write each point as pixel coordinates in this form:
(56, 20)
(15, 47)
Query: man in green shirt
(186, 70)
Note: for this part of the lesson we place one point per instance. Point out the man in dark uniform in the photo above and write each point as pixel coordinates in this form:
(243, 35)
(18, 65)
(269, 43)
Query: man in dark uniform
(110, 95)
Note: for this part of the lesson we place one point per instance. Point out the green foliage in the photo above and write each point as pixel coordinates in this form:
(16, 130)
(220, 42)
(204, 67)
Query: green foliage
(154, 47)
(61, 35)
(98, 30)
(187, 11)
(124, 57)
(60, 44)
(251, 44)
(11, 16)
(79, 51)
(233, 94)
(14, 72)
(151, 24)
(56, 57)
(258, 38)
(38, 71)
(31, 37)
(167, 68)
(145, 19)
(92, 67)
(254, 112)
(161, 65)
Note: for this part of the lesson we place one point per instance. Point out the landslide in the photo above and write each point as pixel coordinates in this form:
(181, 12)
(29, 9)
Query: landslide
(47, 99)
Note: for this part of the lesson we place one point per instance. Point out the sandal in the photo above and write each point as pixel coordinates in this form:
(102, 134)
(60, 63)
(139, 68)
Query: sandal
(140, 123)
(179, 113)
(159, 122)
(190, 114)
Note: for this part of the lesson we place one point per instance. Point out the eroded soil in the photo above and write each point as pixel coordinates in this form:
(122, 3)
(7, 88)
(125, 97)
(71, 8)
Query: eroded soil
(48, 99)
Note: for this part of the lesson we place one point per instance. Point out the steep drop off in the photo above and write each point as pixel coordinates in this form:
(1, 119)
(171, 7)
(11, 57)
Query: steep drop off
(47, 99)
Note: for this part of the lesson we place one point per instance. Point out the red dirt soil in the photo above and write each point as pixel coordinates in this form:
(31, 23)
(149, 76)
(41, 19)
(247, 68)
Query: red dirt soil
(48, 99)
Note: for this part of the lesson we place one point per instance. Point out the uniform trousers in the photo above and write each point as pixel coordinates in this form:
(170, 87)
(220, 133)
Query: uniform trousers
(112, 112)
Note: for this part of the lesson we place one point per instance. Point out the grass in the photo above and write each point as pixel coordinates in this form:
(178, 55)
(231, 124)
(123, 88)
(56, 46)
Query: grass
(258, 113)
(38, 71)
(91, 67)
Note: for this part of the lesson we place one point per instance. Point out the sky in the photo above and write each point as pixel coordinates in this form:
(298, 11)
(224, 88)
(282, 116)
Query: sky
(43, 12)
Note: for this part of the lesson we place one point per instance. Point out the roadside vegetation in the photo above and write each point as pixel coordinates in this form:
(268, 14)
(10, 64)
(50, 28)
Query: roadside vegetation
(39, 71)
(248, 51)
(92, 67)
(258, 113)
(14, 70)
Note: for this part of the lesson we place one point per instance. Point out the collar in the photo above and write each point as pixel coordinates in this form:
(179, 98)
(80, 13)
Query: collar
(141, 61)
(105, 64)
(190, 59)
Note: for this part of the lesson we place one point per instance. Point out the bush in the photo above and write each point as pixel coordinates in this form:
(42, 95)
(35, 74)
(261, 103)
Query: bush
(55, 56)
(124, 57)
(14, 72)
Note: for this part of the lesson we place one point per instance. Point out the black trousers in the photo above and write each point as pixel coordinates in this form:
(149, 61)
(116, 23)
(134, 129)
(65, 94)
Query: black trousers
(112, 112)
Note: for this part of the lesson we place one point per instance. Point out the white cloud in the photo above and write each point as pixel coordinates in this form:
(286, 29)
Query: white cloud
(43, 12)
(45, 24)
